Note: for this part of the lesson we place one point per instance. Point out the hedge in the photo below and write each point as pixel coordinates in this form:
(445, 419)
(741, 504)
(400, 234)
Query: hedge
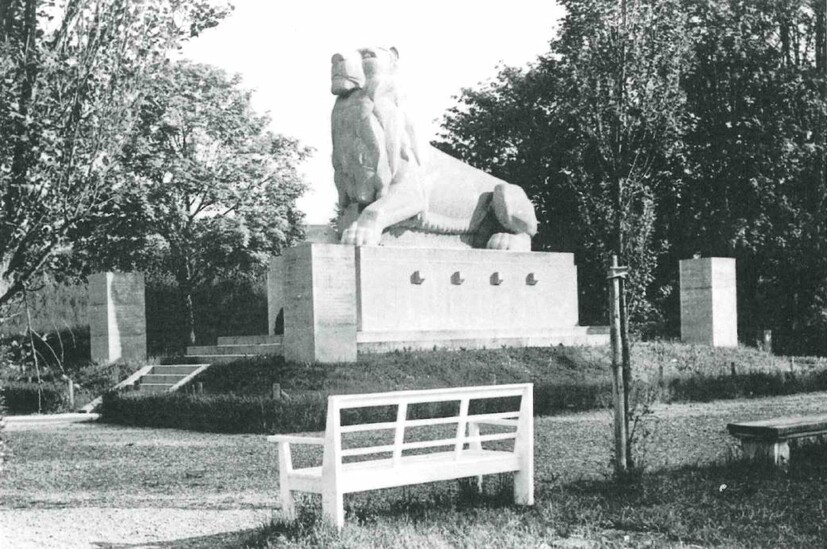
(231, 413)
(22, 398)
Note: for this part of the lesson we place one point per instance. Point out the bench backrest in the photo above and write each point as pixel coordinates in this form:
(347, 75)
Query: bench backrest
(518, 422)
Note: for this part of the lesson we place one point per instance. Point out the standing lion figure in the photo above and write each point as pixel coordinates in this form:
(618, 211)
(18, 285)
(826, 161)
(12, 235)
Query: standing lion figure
(388, 183)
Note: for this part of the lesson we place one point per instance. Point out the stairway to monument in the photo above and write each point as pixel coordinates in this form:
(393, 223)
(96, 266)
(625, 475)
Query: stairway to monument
(168, 377)
(232, 348)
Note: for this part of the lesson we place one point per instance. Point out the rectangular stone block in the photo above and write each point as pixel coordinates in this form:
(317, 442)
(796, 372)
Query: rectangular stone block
(117, 317)
(708, 300)
(421, 289)
(320, 303)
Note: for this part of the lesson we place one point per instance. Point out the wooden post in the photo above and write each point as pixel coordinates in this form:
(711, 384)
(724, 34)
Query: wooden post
(199, 387)
(277, 391)
(627, 364)
(71, 395)
(618, 385)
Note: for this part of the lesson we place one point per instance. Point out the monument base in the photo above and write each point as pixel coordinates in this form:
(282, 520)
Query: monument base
(338, 299)
(386, 342)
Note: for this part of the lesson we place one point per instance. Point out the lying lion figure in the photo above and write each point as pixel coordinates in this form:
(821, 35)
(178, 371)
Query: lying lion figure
(387, 180)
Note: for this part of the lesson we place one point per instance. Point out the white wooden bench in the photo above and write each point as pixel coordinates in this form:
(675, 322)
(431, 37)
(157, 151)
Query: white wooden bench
(464, 453)
(768, 439)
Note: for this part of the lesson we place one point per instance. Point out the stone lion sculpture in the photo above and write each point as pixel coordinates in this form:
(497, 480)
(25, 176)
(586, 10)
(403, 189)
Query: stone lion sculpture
(390, 183)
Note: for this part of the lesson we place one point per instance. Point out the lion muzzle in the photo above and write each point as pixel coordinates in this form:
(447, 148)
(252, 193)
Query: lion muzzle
(346, 73)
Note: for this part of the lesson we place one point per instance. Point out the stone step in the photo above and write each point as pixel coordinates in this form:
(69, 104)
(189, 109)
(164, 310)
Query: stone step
(261, 349)
(214, 359)
(154, 387)
(250, 340)
(384, 342)
(164, 379)
(178, 369)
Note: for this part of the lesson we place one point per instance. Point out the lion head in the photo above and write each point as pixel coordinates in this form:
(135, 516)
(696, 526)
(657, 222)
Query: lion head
(370, 128)
(365, 68)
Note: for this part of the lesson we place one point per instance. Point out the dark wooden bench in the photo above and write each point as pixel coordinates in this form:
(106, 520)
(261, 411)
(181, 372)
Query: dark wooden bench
(768, 439)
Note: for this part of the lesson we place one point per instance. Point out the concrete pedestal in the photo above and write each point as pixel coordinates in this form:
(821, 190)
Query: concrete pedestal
(709, 314)
(427, 290)
(320, 303)
(117, 317)
(380, 299)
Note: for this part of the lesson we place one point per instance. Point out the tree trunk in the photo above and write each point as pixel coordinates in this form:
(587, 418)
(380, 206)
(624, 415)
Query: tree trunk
(821, 28)
(184, 278)
(189, 315)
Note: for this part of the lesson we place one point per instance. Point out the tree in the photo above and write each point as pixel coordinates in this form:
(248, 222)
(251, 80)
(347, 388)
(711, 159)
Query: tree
(755, 162)
(208, 185)
(591, 131)
(622, 64)
(73, 76)
(724, 101)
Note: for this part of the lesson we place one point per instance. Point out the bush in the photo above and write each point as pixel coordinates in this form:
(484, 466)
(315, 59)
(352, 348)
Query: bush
(698, 388)
(33, 398)
(566, 379)
(216, 413)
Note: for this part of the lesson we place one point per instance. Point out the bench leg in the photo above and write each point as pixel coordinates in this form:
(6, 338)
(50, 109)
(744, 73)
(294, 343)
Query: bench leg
(474, 431)
(288, 507)
(523, 488)
(776, 453)
(333, 507)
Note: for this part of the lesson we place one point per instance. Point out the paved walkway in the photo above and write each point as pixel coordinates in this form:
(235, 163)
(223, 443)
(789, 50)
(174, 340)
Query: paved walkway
(22, 423)
(96, 527)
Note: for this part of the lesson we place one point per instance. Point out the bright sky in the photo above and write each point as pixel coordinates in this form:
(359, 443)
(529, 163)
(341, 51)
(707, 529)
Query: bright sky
(283, 49)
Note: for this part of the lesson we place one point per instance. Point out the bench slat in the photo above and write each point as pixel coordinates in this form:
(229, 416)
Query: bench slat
(780, 428)
(506, 419)
(433, 395)
(418, 445)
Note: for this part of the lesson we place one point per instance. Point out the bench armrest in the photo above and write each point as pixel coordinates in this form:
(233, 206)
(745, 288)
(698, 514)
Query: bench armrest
(293, 439)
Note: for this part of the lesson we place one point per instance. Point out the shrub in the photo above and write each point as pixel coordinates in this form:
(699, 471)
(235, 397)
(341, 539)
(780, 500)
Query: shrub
(32, 398)
(697, 388)
(216, 413)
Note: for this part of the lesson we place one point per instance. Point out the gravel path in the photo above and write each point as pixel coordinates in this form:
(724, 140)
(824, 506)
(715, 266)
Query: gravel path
(118, 527)
(105, 527)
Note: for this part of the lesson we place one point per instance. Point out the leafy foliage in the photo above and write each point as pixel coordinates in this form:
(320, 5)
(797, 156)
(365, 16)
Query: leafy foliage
(694, 126)
(211, 192)
(73, 75)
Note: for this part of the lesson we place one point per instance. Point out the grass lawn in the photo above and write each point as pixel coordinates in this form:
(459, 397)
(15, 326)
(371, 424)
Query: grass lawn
(562, 366)
(694, 492)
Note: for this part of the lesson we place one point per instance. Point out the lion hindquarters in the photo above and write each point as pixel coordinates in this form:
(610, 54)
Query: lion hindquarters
(514, 210)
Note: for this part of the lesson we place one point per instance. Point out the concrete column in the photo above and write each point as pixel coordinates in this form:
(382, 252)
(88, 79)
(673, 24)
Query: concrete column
(320, 303)
(117, 317)
(275, 291)
(709, 313)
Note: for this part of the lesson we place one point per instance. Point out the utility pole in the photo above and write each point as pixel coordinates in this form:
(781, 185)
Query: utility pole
(620, 383)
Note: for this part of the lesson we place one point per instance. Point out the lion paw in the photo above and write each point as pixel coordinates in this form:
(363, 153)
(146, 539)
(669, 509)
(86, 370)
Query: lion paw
(508, 241)
(361, 234)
